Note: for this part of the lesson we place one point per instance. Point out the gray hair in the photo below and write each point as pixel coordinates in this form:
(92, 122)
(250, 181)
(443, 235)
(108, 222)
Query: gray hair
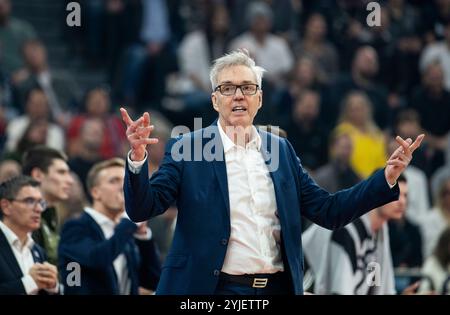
(238, 57)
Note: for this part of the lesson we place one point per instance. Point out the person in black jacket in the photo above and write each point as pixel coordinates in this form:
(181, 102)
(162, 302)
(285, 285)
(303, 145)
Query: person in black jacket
(23, 265)
(114, 255)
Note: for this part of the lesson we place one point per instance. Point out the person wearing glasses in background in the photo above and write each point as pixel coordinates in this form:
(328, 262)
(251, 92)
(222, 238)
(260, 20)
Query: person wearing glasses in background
(240, 200)
(23, 265)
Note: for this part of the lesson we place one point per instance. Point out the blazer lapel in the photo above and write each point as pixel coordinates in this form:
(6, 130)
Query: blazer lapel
(220, 168)
(275, 174)
(8, 255)
(37, 258)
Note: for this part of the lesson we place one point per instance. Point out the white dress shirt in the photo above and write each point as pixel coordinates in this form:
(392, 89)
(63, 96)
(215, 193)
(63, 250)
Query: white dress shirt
(254, 244)
(24, 258)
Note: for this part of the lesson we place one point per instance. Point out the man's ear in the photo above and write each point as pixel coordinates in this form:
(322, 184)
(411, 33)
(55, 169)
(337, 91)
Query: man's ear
(37, 174)
(4, 205)
(214, 102)
(94, 193)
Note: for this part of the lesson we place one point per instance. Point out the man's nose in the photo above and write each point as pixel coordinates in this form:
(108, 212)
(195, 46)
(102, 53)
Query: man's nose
(238, 94)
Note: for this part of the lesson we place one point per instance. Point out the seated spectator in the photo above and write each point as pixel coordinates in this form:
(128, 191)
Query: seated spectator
(356, 120)
(305, 76)
(314, 44)
(34, 135)
(337, 174)
(13, 34)
(436, 270)
(9, 169)
(116, 256)
(97, 104)
(439, 52)
(428, 100)
(306, 133)
(270, 51)
(435, 221)
(60, 90)
(23, 265)
(36, 109)
(89, 150)
(365, 67)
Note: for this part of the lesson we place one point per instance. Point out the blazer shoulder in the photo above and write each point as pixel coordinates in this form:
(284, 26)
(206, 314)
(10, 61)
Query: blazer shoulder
(84, 221)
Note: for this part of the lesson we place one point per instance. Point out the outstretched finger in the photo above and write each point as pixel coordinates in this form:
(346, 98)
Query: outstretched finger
(146, 141)
(146, 121)
(404, 143)
(417, 143)
(125, 117)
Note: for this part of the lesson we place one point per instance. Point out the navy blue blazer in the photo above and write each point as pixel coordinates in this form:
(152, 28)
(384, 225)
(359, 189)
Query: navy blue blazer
(82, 241)
(10, 272)
(200, 190)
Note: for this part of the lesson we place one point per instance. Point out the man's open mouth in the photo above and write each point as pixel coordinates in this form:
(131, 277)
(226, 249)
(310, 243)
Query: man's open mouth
(239, 109)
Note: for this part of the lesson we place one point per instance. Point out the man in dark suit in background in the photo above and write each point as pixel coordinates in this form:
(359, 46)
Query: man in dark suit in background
(23, 266)
(115, 255)
(241, 194)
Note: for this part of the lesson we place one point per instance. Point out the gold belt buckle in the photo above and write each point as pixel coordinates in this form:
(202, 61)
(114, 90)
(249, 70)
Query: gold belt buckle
(260, 283)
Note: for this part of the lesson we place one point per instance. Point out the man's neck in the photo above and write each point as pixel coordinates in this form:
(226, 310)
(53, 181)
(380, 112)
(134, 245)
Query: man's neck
(240, 135)
(113, 215)
(360, 79)
(19, 232)
(51, 201)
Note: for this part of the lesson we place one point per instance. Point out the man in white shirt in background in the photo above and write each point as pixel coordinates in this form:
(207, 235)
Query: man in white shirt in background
(116, 256)
(23, 266)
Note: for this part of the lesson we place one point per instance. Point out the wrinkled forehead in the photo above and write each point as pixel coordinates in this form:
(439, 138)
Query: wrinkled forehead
(238, 74)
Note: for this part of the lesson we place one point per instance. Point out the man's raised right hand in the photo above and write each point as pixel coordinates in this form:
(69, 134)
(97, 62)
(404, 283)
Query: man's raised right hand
(138, 133)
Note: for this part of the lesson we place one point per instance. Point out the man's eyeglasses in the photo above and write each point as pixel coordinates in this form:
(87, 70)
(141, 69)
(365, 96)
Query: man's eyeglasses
(230, 89)
(32, 202)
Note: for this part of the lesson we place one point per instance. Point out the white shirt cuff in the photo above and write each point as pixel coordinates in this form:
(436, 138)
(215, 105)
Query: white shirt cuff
(135, 166)
(30, 285)
(144, 237)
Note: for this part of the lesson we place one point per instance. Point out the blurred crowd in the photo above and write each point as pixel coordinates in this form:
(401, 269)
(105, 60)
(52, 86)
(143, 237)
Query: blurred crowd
(340, 89)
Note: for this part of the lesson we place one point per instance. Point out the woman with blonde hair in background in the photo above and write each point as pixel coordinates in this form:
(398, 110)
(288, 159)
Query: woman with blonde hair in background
(356, 120)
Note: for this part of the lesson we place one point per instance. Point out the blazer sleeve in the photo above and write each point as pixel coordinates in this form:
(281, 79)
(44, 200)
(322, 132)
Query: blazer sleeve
(333, 211)
(12, 287)
(150, 266)
(146, 198)
(77, 244)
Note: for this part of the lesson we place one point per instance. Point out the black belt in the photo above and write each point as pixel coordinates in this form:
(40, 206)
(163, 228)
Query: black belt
(254, 280)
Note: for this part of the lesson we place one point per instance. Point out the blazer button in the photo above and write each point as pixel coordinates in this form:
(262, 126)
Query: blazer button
(216, 273)
(224, 241)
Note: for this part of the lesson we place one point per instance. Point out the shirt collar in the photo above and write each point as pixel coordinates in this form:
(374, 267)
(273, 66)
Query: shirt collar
(12, 238)
(228, 144)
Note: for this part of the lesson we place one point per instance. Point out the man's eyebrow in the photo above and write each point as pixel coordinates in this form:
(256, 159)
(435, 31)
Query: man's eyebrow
(242, 82)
